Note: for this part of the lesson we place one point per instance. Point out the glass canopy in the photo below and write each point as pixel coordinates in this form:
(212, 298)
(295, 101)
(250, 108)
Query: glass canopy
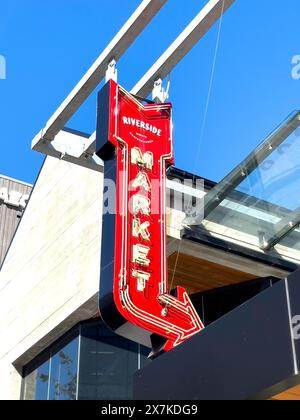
(258, 203)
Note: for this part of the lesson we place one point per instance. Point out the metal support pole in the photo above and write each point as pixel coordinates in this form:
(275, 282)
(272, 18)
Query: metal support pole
(215, 196)
(282, 229)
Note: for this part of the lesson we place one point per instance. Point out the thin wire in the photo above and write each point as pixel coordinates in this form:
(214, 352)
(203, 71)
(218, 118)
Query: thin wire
(213, 71)
(203, 126)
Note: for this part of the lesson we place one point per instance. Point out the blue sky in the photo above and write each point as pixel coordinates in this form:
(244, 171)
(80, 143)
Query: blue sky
(48, 45)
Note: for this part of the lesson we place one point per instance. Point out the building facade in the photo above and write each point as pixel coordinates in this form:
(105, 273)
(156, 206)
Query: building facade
(233, 246)
(54, 344)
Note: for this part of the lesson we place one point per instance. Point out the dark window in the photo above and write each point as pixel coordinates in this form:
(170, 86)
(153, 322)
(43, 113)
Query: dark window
(90, 363)
(107, 364)
(63, 379)
(53, 375)
(37, 383)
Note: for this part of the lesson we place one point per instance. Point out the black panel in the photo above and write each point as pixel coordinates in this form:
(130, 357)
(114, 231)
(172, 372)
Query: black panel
(240, 356)
(108, 310)
(103, 148)
(106, 151)
(107, 364)
(109, 313)
(214, 304)
(294, 296)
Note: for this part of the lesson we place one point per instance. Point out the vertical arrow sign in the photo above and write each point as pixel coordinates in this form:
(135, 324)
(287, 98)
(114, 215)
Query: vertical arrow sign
(136, 144)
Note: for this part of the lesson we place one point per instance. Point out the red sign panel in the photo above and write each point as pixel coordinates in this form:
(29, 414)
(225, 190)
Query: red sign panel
(136, 143)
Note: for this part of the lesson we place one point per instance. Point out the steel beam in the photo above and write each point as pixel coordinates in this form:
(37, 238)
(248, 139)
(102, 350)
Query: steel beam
(192, 34)
(181, 46)
(215, 196)
(73, 147)
(282, 229)
(118, 46)
(211, 12)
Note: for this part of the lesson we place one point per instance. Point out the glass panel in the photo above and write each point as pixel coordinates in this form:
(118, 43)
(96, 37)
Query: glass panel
(277, 178)
(259, 201)
(292, 244)
(36, 383)
(63, 381)
(107, 364)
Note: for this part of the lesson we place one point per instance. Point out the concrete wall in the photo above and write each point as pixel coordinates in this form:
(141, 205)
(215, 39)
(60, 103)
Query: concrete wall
(10, 211)
(49, 280)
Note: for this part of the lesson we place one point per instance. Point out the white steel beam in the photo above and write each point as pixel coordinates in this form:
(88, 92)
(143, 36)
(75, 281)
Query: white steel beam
(74, 148)
(211, 12)
(199, 26)
(118, 46)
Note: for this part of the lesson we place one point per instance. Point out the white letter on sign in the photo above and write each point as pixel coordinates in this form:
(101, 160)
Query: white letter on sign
(141, 204)
(140, 254)
(142, 279)
(137, 158)
(142, 181)
(139, 229)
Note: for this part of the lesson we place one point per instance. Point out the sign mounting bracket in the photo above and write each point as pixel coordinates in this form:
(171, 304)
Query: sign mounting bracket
(111, 72)
(159, 94)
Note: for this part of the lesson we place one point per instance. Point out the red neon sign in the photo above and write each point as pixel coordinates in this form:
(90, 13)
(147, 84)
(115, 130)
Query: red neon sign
(136, 143)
